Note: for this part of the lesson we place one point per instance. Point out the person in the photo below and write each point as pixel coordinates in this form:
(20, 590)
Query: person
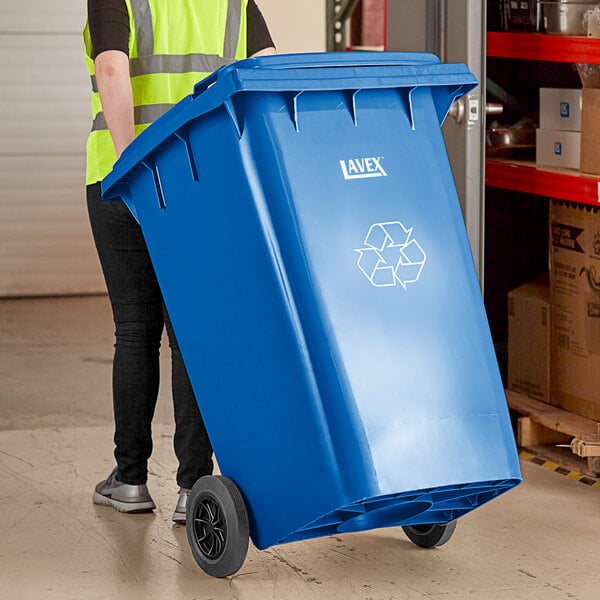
(143, 56)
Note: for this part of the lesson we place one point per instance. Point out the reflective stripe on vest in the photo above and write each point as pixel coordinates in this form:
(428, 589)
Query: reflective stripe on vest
(147, 113)
(176, 63)
(144, 30)
(153, 57)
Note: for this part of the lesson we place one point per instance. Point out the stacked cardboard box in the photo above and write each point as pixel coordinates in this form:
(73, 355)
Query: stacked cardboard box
(558, 140)
(529, 339)
(590, 131)
(575, 305)
(568, 137)
(590, 118)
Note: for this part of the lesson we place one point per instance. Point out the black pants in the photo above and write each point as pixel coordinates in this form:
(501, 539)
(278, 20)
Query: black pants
(140, 317)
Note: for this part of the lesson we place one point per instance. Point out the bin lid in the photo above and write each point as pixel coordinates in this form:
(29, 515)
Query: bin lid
(297, 73)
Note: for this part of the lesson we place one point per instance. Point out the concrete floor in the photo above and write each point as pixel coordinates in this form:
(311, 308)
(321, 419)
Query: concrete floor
(540, 541)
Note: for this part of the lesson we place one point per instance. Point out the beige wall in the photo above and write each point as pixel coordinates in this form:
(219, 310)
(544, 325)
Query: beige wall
(296, 25)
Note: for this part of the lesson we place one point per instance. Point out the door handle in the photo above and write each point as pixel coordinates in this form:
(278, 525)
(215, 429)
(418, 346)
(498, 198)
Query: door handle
(458, 110)
(493, 108)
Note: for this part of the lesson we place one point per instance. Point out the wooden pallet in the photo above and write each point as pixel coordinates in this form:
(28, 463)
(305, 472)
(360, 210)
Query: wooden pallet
(560, 436)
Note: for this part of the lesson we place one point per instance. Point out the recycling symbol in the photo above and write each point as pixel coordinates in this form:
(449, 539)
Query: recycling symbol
(391, 256)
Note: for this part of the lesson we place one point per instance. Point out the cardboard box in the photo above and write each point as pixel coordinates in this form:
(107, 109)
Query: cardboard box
(529, 339)
(590, 131)
(560, 109)
(575, 307)
(556, 148)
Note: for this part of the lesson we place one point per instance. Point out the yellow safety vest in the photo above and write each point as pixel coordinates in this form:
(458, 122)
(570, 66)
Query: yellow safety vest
(173, 44)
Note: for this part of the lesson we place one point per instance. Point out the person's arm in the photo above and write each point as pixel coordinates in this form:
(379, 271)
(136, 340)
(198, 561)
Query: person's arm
(109, 33)
(260, 42)
(114, 86)
(266, 51)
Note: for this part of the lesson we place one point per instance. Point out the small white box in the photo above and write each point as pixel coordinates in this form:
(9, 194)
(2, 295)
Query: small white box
(560, 109)
(558, 148)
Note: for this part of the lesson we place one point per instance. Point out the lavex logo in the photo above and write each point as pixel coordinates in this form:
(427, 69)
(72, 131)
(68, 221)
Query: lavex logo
(361, 168)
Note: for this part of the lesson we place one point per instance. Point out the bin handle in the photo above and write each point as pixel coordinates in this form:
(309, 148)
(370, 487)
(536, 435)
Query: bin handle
(310, 60)
(203, 85)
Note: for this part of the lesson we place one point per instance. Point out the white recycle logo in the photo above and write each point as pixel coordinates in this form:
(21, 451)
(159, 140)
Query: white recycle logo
(391, 255)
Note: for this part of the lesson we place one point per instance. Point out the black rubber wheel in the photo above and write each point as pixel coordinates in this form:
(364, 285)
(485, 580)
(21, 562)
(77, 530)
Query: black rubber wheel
(217, 526)
(430, 536)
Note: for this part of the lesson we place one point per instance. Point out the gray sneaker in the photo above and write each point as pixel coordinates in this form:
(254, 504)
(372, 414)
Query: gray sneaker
(123, 496)
(180, 509)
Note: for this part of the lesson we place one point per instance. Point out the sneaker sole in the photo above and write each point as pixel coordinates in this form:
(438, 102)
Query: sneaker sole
(178, 517)
(125, 507)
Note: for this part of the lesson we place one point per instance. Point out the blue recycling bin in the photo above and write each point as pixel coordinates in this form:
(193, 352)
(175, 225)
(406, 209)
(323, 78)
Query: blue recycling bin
(305, 230)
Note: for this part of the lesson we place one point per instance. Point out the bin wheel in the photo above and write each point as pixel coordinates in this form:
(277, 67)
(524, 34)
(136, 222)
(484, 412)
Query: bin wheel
(430, 536)
(217, 525)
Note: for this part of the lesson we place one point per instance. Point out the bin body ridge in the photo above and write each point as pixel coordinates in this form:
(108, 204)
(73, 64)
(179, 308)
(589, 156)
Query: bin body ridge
(314, 261)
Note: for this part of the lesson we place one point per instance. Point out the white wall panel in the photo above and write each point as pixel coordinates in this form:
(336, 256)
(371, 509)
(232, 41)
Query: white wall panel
(45, 240)
(44, 94)
(49, 16)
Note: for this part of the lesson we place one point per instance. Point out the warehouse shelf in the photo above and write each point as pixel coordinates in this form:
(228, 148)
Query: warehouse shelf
(525, 176)
(522, 176)
(539, 46)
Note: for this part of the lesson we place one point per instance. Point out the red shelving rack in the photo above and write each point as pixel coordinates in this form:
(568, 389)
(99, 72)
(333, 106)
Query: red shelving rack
(523, 176)
(539, 46)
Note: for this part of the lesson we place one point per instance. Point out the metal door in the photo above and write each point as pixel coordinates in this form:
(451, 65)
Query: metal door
(455, 31)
